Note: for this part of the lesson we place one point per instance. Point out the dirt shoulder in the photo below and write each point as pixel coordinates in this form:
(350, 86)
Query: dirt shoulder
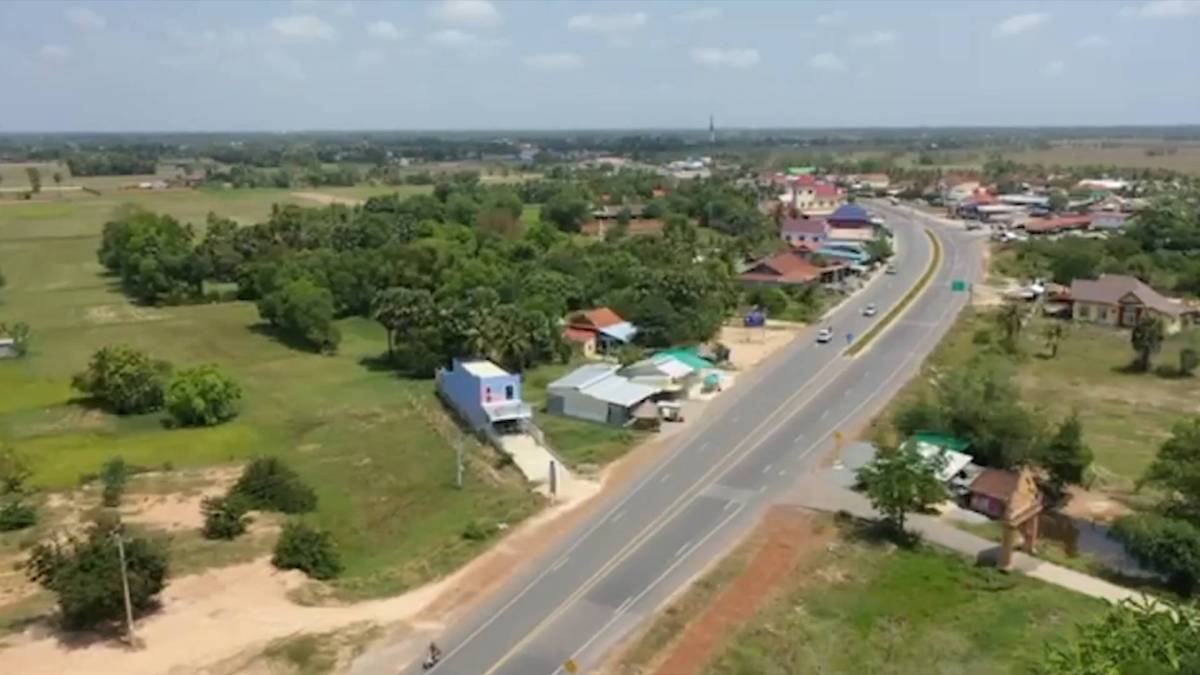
(694, 628)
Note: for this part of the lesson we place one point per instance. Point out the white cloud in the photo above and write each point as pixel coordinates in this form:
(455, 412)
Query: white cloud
(466, 12)
(384, 30)
(830, 18)
(608, 24)
(454, 38)
(553, 61)
(826, 61)
(1158, 9)
(735, 58)
(85, 19)
(365, 58)
(1054, 68)
(700, 14)
(875, 38)
(54, 53)
(1020, 23)
(1094, 40)
(303, 27)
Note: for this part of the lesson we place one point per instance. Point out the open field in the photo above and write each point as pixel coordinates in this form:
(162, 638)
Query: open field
(1126, 416)
(868, 607)
(383, 474)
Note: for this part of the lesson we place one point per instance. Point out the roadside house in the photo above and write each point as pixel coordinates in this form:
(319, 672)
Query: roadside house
(792, 268)
(850, 215)
(1121, 301)
(595, 392)
(995, 492)
(598, 331)
(484, 395)
(801, 229)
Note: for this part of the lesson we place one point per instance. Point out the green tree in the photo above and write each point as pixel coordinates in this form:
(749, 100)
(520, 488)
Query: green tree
(1054, 332)
(202, 397)
(1188, 360)
(224, 517)
(58, 178)
(113, 477)
(35, 178)
(1147, 339)
(303, 311)
(85, 574)
(267, 484)
(309, 550)
(901, 481)
(14, 471)
(566, 210)
(1058, 201)
(1175, 471)
(124, 380)
(879, 248)
(1133, 637)
(1166, 545)
(1011, 319)
(16, 514)
(1065, 456)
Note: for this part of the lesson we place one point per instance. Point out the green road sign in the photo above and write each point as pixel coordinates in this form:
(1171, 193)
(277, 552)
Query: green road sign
(958, 286)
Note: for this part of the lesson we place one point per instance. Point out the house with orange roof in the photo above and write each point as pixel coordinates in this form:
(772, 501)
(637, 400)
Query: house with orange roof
(598, 331)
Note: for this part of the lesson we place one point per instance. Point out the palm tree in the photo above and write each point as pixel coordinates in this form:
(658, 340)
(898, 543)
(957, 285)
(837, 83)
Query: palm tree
(1054, 333)
(1147, 339)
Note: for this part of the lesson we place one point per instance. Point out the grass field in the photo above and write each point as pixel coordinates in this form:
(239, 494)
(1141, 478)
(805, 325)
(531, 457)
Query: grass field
(383, 473)
(1126, 416)
(866, 607)
(580, 443)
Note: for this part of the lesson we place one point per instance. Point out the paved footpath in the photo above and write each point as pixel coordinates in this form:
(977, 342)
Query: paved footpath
(824, 491)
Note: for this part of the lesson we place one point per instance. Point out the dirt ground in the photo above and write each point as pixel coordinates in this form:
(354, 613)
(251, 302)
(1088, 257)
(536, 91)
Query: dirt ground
(787, 536)
(1093, 506)
(750, 346)
(326, 199)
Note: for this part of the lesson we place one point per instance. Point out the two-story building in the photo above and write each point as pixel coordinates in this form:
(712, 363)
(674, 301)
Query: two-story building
(801, 229)
(484, 395)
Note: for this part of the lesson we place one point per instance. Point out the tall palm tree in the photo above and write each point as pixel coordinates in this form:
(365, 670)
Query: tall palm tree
(1011, 320)
(1053, 333)
(1147, 339)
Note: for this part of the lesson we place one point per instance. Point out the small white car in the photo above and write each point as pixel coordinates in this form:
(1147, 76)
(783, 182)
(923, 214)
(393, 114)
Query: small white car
(869, 310)
(891, 269)
(824, 335)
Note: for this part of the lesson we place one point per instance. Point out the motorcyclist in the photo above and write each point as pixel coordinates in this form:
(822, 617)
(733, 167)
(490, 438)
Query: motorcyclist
(433, 657)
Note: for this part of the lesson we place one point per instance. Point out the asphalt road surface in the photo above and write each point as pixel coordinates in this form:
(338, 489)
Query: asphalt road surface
(584, 595)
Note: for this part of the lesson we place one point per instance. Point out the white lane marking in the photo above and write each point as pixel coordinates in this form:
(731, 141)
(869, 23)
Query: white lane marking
(617, 516)
(783, 472)
(561, 561)
(657, 580)
(682, 549)
(762, 489)
(767, 468)
(625, 604)
(730, 503)
(799, 438)
(825, 413)
(703, 446)
(665, 478)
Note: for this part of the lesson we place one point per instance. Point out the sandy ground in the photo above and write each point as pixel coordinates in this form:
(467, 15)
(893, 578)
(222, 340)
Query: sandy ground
(325, 199)
(1093, 506)
(750, 346)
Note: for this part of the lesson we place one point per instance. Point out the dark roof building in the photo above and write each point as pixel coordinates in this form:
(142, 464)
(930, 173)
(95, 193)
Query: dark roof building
(850, 215)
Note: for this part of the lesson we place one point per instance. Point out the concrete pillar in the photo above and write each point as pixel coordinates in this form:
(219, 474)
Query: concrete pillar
(1031, 534)
(1007, 544)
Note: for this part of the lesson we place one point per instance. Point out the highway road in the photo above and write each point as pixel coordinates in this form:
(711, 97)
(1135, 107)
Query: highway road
(582, 597)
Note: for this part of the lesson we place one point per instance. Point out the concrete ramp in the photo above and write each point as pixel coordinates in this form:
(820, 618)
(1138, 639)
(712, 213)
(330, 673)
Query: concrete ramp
(533, 459)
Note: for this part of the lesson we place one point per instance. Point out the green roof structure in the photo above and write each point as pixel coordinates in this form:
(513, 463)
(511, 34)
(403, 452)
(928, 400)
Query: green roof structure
(688, 357)
(801, 170)
(944, 441)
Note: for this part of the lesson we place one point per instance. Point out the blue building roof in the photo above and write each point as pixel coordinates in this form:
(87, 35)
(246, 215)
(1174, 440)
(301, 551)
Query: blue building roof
(851, 213)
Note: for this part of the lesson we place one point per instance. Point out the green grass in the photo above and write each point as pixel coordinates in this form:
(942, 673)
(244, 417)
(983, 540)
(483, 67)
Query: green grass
(1126, 416)
(531, 214)
(872, 608)
(580, 443)
(383, 474)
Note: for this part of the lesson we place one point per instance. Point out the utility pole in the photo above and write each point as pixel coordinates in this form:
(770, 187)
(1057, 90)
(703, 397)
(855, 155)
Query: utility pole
(458, 457)
(129, 636)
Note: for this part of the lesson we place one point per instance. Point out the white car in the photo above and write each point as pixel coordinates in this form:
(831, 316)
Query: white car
(869, 310)
(824, 335)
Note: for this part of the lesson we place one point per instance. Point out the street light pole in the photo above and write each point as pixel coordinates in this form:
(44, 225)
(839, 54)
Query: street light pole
(129, 636)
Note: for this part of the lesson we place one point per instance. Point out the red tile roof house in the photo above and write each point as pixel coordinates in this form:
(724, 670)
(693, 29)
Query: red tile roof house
(1058, 225)
(598, 330)
(792, 268)
(799, 229)
(1121, 301)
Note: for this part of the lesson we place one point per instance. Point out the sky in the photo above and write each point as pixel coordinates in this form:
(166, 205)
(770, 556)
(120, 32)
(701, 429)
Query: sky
(225, 65)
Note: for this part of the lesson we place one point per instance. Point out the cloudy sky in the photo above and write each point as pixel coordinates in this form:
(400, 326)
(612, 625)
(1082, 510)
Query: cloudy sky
(473, 64)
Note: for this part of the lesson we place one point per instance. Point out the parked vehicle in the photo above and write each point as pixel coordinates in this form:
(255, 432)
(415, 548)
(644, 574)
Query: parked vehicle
(869, 310)
(891, 269)
(824, 335)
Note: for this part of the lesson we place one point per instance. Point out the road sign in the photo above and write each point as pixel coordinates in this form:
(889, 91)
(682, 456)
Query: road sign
(958, 286)
(570, 666)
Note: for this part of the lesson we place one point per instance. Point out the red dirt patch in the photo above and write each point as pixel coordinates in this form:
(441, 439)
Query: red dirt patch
(787, 535)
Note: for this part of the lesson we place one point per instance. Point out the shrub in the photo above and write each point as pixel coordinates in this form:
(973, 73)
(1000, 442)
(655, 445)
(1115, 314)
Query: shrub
(124, 380)
(304, 548)
(224, 517)
(14, 471)
(477, 531)
(113, 475)
(17, 515)
(85, 574)
(202, 397)
(268, 484)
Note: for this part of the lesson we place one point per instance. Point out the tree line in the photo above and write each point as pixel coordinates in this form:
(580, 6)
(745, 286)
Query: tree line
(111, 164)
(448, 274)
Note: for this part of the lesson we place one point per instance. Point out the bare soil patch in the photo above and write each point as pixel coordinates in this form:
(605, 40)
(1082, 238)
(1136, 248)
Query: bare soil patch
(326, 199)
(750, 346)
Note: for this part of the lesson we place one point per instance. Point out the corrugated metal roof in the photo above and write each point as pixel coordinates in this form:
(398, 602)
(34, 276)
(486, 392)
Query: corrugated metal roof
(483, 368)
(623, 331)
(583, 376)
(619, 390)
(688, 357)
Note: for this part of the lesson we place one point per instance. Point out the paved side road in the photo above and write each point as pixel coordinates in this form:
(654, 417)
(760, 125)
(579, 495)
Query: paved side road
(820, 492)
